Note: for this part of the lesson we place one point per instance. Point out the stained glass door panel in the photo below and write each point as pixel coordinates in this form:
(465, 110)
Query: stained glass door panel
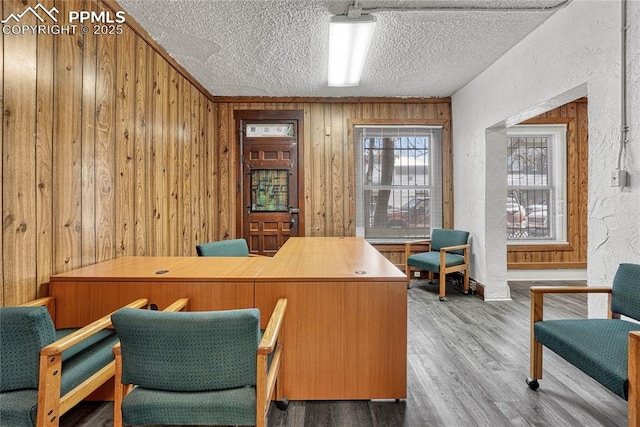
(269, 190)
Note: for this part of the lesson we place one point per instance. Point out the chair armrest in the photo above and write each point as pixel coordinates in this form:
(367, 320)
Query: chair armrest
(569, 289)
(179, 305)
(268, 376)
(538, 292)
(454, 248)
(50, 404)
(85, 332)
(38, 302)
(407, 245)
(270, 336)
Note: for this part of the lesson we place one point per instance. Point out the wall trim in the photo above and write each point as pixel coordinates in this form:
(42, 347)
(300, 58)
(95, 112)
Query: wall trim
(330, 100)
(541, 275)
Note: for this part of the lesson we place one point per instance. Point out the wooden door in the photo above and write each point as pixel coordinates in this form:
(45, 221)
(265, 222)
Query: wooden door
(271, 183)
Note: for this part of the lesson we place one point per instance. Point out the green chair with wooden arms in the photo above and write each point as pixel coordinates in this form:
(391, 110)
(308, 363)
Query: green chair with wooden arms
(197, 368)
(608, 350)
(448, 253)
(45, 372)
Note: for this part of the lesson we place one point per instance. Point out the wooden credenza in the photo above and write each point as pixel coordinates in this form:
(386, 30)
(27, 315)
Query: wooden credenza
(345, 330)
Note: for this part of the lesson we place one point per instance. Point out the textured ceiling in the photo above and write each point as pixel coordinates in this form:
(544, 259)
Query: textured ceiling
(279, 47)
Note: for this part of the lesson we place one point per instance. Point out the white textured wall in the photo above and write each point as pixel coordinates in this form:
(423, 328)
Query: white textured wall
(574, 53)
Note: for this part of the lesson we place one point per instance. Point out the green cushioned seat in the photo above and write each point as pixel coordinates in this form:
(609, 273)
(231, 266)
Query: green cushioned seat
(80, 364)
(18, 408)
(430, 261)
(593, 346)
(202, 362)
(235, 406)
(233, 247)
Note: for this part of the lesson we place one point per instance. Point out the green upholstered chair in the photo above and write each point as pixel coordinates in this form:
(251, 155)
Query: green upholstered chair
(605, 349)
(44, 372)
(196, 368)
(448, 252)
(233, 247)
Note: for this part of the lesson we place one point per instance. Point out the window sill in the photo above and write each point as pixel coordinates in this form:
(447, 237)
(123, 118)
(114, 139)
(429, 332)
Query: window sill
(539, 247)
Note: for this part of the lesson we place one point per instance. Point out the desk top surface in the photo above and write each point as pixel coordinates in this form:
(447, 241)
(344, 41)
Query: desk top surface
(169, 269)
(348, 258)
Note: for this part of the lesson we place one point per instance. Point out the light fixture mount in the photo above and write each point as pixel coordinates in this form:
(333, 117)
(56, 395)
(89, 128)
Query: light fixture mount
(354, 12)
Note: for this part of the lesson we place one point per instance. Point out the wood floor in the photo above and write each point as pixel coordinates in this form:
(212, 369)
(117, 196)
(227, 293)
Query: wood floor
(467, 364)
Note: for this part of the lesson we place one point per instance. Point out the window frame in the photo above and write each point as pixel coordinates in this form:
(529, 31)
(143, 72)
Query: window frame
(446, 178)
(559, 171)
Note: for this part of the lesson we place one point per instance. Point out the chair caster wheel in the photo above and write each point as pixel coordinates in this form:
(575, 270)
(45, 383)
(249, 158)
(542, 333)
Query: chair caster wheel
(282, 404)
(441, 298)
(533, 384)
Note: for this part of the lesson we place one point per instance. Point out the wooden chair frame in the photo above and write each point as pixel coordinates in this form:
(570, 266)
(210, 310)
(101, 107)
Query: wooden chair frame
(633, 367)
(51, 406)
(268, 381)
(443, 267)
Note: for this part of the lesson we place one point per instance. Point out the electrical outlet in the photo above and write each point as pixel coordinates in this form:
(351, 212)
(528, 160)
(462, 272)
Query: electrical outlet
(618, 178)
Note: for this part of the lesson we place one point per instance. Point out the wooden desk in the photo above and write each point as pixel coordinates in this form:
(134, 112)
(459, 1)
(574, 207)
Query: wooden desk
(210, 283)
(345, 329)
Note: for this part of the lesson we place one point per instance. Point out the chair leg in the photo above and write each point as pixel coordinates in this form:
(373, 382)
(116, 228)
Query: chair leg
(465, 287)
(443, 285)
(535, 347)
(535, 367)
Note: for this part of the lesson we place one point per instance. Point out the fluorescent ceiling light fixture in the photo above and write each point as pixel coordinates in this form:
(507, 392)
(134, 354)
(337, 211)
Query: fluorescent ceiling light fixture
(349, 41)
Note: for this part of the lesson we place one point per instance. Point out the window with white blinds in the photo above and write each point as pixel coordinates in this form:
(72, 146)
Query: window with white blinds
(536, 184)
(398, 181)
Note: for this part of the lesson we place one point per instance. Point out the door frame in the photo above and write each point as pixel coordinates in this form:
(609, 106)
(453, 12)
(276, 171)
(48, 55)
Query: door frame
(238, 116)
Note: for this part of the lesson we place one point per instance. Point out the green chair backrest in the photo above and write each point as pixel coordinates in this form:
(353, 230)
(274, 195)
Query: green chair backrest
(625, 295)
(188, 351)
(442, 238)
(24, 331)
(234, 247)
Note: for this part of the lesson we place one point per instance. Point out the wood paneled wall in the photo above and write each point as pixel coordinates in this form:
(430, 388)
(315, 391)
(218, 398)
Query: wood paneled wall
(110, 149)
(329, 161)
(573, 254)
(107, 150)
